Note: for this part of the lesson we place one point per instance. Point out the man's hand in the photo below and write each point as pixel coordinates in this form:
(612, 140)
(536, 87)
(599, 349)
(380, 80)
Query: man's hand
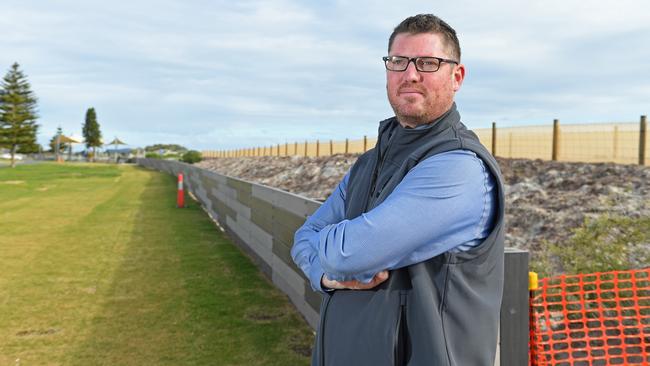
(354, 285)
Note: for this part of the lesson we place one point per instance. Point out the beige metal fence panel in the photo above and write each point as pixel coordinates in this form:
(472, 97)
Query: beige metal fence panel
(604, 142)
(615, 142)
(531, 142)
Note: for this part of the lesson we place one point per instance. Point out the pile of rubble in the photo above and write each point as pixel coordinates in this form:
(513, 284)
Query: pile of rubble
(546, 200)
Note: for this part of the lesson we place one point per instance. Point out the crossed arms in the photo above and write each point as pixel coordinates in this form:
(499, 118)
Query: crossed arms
(444, 203)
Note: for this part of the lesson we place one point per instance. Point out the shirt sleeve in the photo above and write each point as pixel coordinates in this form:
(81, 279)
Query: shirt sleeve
(444, 203)
(306, 239)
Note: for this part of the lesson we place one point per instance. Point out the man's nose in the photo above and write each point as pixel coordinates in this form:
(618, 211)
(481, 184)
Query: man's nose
(411, 73)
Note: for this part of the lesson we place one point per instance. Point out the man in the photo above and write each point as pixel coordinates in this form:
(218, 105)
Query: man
(408, 250)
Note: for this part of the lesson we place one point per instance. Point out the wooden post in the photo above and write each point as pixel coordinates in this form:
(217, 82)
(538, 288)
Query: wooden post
(615, 148)
(365, 143)
(306, 147)
(346, 146)
(286, 149)
(278, 149)
(317, 147)
(643, 132)
(556, 139)
(295, 148)
(331, 148)
(494, 139)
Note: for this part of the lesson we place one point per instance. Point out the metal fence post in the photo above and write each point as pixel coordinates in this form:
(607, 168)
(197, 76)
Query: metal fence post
(305, 147)
(365, 143)
(317, 147)
(556, 138)
(643, 131)
(331, 148)
(346, 146)
(514, 319)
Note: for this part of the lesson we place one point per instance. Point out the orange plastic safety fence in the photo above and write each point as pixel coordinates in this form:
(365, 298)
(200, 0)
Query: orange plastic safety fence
(591, 319)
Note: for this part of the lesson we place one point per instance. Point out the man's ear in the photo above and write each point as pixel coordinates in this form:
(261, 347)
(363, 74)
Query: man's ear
(458, 76)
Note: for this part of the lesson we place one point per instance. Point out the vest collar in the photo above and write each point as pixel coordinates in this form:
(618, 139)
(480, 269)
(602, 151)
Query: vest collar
(410, 135)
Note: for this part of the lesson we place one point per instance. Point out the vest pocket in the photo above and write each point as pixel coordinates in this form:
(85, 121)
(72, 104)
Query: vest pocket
(363, 328)
(401, 345)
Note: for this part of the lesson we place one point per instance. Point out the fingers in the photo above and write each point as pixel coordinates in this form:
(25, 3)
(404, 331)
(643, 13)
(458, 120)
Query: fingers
(378, 279)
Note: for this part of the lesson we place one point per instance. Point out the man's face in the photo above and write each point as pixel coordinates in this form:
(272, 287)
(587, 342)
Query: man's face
(421, 97)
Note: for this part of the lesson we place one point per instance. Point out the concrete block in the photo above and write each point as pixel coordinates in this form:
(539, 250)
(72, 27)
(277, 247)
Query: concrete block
(241, 210)
(261, 236)
(264, 193)
(293, 203)
(292, 278)
(240, 231)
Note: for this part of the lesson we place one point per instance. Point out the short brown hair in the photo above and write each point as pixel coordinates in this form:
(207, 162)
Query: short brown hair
(428, 23)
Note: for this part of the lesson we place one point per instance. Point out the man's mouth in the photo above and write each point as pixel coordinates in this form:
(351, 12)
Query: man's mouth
(407, 92)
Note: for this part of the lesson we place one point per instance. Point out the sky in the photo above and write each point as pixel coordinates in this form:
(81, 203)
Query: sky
(213, 75)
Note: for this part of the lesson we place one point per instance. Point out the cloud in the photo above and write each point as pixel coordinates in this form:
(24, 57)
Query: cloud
(223, 74)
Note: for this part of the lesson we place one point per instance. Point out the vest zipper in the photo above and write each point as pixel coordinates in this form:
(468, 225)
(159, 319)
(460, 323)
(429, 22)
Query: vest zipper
(380, 165)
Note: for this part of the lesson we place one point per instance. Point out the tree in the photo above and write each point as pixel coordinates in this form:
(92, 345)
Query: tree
(17, 114)
(91, 132)
(192, 157)
(167, 147)
(62, 145)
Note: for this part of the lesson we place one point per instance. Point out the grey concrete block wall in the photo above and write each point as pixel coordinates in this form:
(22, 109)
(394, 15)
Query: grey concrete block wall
(261, 220)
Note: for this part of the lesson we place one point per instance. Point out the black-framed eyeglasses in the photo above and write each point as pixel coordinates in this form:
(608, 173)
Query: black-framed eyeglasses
(422, 64)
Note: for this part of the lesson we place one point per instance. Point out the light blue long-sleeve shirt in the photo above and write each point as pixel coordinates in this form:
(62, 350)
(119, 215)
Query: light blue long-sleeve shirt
(445, 203)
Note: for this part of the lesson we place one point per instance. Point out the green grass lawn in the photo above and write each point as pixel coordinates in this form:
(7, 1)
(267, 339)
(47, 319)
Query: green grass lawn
(98, 267)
